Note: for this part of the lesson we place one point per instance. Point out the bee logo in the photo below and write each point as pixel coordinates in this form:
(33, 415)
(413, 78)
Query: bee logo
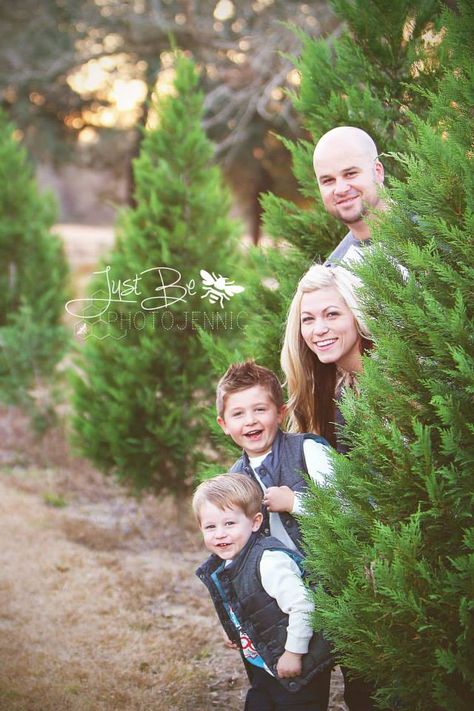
(217, 288)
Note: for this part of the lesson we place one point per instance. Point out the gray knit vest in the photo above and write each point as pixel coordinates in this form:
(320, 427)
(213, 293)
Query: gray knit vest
(258, 613)
(291, 472)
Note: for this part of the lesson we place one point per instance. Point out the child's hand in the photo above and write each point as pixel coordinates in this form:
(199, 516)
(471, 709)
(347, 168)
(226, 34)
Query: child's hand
(228, 642)
(279, 499)
(289, 665)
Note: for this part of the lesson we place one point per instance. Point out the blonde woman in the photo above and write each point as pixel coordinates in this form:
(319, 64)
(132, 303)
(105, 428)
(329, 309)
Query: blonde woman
(322, 352)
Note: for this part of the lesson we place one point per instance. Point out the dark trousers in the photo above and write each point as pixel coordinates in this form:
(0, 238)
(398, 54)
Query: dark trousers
(267, 694)
(357, 693)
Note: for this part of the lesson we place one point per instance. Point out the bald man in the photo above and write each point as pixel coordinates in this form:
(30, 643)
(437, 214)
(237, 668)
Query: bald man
(349, 176)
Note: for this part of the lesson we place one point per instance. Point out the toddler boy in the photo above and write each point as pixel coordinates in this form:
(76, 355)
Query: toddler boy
(256, 586)
(250, 409)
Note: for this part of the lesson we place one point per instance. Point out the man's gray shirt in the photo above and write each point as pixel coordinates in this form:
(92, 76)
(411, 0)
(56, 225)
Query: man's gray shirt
(351, 251)
(348, 250)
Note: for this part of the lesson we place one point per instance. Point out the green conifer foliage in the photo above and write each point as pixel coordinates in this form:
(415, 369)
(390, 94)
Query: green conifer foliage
(33, 273)
(391, 539)
(369, 77)
(145, 377)
(364, 78)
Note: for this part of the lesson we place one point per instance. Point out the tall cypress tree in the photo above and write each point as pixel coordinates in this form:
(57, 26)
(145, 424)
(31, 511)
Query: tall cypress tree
(144, 377)
(365, 78)
(33, 274)
(392, 538)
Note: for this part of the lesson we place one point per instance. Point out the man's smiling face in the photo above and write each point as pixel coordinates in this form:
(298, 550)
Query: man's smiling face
(252, 419)
(349, 175)
(349, 185)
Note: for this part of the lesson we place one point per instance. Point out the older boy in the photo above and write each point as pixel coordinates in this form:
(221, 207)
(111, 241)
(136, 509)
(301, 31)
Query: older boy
(250, 410)
(256, 586)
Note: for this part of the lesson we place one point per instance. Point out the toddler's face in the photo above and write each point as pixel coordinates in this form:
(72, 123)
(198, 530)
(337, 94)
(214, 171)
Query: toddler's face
(226, 531)
(252, 419)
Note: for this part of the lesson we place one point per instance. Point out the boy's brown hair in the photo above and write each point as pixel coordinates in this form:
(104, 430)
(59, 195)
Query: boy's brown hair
(241, 376)
(229, 491)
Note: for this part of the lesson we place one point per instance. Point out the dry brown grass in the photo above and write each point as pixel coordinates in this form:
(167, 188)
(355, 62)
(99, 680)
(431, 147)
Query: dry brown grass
(100, 609)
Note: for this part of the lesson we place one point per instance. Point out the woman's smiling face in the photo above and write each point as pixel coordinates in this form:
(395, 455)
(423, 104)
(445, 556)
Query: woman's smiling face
(329, 328)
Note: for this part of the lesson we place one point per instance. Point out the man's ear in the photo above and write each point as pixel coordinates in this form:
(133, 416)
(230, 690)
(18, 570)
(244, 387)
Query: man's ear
(222, 424)
(257, 521)
(379, 172)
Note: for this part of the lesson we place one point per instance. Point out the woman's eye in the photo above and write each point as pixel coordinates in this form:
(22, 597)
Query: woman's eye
(306, 319)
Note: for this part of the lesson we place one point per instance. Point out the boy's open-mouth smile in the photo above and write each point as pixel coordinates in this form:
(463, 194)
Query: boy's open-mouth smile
(253, 434)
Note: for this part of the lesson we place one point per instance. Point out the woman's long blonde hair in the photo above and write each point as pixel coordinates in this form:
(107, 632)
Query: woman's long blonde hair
(312, 384)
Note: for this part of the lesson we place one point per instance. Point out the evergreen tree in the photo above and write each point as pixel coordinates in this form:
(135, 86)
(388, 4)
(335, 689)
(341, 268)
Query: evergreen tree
(391, 539)
(33, 273)
(145, 376)
(365, 78)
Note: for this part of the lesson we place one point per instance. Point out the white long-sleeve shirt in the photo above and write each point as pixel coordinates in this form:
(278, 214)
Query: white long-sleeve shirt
(319, 466)
(281, 579)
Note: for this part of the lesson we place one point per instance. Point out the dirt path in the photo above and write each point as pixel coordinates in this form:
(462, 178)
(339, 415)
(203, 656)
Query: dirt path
(87, 625)
(94, 616)
(100, 609)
